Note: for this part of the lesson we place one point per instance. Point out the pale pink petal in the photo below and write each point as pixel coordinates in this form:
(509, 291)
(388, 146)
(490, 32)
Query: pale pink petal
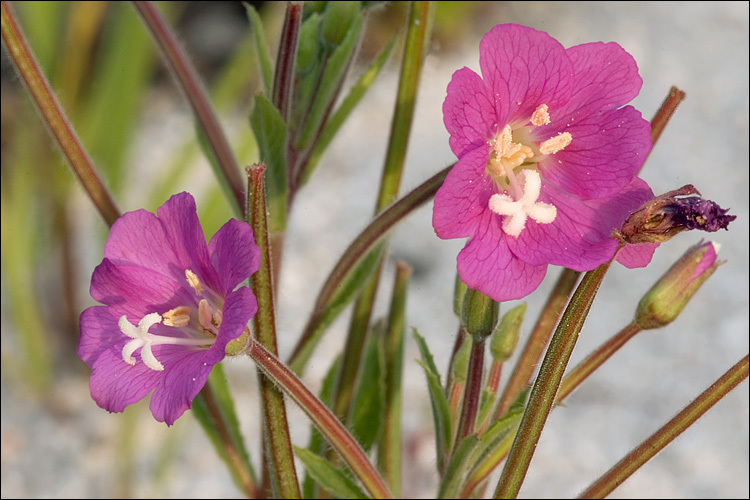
(524, 68)
(633, 256)
(468, 112)
(234, 254)
(486, 264)
(463, 197)
(605, 153)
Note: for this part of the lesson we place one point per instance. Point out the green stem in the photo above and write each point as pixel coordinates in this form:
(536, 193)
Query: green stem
(197, 97)
(351, 453)
(389, 450)
(276, 424)
(594, 360)
(547, 383)
(667, 433)
(538, 340)
(54, 117)
(358, 248)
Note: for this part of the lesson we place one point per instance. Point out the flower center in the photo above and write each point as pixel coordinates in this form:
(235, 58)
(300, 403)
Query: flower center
(511, 164)
(200, 334)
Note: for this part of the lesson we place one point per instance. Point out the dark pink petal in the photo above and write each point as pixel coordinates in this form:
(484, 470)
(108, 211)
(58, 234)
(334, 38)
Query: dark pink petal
(632, 256)
(606, 77)
(605, 153)
(99, 332)
(463, 197)
(186, 369)
(114, 384)
(136, 290)
(486, 264)
(580, 237)
(469, 112)
(138, 237)
(524, 68)
(234, 254)
(183, 229)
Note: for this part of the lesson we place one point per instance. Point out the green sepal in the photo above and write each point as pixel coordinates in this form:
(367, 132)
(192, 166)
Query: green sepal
(271, 134)
(440, 410)
(220, 388)
(326, 475)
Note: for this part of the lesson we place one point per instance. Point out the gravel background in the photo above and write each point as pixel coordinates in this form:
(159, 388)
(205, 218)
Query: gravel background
(65, 446)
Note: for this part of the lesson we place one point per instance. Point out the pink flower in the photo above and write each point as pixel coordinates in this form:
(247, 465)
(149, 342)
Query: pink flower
(171, 306)
(547, 160)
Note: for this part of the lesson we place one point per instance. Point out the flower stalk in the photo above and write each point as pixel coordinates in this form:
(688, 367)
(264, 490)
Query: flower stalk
(277, 427)
(547, 383)
(667, 433)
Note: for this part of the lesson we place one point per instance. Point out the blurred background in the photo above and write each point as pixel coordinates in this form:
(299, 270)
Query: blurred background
(105, 69)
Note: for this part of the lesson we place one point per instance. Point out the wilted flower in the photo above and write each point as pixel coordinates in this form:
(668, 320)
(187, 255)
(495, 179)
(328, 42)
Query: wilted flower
(668, 297)
(170, 307)
(548, 156)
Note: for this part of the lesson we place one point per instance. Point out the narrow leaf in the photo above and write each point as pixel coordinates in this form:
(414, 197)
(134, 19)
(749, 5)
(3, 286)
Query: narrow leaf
(366, 422)
(330, 478)
(457, 466)
(271, 132)
(261, 49)
(440, 409)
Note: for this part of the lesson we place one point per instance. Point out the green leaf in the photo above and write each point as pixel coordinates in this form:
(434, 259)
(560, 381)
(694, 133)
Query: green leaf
(454, 472)
(261, 49)
(366, 422)
(440, 409)
(225, 403)
(271, 133)
(330, 478)
(317, 442)
(307, 67)
(330, 83)
(353, 98)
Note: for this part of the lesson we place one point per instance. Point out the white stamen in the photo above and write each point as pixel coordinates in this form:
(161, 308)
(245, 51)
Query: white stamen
(540, 116)
(515, 212)
(555, 144)
(145, 340)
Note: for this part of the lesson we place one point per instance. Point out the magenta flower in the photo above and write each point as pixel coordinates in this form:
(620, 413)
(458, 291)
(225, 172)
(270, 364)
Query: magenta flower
(171, 306)
(547, 160)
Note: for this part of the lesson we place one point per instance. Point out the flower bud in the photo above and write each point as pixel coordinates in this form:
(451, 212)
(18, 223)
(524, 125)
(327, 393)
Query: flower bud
(459, 289)
(507, 332)
(337, 19)
(479, 313)
(668, 297)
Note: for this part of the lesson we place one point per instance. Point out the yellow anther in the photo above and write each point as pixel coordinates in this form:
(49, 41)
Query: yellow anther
(179, 316)
(540, 116)
(555, 144)
(195, 283)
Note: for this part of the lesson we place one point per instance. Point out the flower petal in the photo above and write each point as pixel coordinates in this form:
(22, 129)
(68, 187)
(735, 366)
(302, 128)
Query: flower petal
(580, 237)
(114, 384)
(486, 264)
(606, 78)
(468, 112)
(524, 68)
(186, 369)
(136, 290)
(463, 197)
(234, 254)
(605, 154)
(632, 256)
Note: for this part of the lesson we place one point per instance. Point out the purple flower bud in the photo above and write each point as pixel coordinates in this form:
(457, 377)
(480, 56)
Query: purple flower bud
(668, 297)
